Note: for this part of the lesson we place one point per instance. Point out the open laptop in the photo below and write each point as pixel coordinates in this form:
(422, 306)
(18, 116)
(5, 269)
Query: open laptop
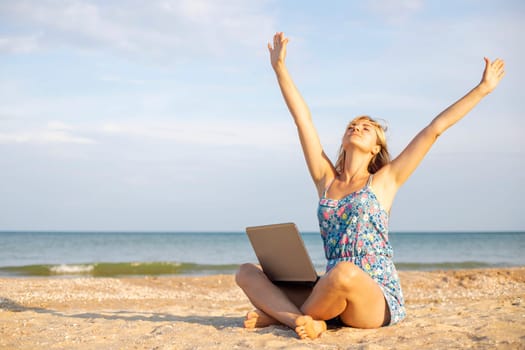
(284, 259)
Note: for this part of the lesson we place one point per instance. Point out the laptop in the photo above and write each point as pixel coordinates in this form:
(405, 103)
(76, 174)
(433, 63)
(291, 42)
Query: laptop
(284, 259)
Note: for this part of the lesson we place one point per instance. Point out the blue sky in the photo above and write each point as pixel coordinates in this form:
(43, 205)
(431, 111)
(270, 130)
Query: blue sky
(165, 115)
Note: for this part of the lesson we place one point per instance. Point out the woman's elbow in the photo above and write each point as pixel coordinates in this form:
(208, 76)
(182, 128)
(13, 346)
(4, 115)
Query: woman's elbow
(434, 130)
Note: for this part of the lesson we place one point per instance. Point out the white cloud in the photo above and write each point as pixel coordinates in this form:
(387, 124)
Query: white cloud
(58, 126)
(43, 137)
(172, 30)
(205, 133)
(19, 44)
(53, 132)
(209, 133)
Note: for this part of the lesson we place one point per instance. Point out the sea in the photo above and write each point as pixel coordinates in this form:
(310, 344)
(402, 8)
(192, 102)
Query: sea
(111, 254)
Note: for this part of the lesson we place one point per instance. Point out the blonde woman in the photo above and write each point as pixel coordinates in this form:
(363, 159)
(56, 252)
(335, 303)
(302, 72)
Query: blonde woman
(360, 287)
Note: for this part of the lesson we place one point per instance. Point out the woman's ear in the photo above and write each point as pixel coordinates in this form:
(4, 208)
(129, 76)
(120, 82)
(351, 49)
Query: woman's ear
(376, 149)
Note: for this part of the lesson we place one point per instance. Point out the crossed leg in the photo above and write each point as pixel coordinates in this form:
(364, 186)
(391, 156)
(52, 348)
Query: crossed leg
(350, 293)
(345, 291)
(258, 319)
(273, 306)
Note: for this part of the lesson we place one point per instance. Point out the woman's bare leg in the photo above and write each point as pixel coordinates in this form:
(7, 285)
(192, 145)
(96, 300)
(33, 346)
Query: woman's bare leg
(268, 298)
(350, 293)
(258, 319)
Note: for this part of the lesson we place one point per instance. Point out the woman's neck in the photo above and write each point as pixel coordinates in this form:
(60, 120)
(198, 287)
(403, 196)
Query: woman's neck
(356, 167)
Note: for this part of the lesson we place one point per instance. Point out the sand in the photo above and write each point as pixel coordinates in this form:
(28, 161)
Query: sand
(480, 309)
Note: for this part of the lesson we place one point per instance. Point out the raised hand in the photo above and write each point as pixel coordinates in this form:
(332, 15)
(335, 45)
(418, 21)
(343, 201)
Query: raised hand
(278, 50)
(493, 73)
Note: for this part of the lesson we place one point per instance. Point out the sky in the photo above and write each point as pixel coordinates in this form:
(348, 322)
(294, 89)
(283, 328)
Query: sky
(165, 115)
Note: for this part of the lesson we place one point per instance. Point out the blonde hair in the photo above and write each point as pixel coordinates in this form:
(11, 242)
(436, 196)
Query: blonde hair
(380, 159)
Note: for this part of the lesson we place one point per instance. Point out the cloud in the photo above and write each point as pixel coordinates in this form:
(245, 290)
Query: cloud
(204, 133)
(207, 133)
(19, 44)
(54, 132)
(167, 29)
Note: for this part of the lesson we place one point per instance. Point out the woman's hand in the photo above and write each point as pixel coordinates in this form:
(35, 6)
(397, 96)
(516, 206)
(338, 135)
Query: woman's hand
(278, 51)
(493, 73)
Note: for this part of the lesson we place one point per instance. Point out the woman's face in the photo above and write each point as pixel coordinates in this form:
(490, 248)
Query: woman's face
(362, 134)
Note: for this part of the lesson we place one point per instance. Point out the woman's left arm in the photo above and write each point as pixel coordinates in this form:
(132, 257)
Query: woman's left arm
(400, 169)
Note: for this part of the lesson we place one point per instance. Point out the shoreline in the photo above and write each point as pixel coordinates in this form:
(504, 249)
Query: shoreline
(174, 269)
(480, 308)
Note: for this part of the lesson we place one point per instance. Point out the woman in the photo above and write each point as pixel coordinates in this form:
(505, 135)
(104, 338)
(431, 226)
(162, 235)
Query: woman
(360, 287)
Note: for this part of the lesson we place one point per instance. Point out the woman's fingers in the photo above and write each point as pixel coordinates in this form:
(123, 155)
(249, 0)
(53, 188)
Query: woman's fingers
(279, 40)
(498, 64)
(494, 72)
(275, 42)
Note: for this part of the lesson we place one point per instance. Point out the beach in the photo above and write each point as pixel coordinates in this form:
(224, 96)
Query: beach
(478, 308)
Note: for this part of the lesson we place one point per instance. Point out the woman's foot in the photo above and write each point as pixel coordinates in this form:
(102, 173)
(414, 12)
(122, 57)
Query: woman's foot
(258, 319)
(307, 327)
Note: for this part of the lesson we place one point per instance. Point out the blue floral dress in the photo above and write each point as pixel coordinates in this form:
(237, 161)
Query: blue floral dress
(355, 228)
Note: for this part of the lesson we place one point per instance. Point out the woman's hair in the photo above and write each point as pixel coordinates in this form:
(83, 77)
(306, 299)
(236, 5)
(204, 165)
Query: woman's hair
(380, 159)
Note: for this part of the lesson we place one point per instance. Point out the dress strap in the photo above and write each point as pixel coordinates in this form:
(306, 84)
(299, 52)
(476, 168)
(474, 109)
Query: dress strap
(328, 187)
(369, 182)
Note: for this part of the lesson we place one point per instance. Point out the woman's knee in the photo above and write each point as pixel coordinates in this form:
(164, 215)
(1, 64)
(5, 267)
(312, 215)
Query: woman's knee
(245, 273)
(343, 275)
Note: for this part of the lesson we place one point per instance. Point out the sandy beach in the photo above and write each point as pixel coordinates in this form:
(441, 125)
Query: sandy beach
(481, 309)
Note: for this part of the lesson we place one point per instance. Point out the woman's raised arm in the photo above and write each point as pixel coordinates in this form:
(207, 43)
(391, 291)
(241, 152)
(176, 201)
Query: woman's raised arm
(318, 163)
(402, 167)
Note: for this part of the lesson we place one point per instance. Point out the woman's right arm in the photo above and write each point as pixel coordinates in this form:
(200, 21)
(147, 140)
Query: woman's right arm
(320, 167)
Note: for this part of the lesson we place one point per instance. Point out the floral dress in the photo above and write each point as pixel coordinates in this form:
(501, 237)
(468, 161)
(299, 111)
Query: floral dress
(355, 229)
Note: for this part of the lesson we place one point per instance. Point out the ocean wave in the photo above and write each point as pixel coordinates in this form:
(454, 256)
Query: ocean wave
(65, 269)
(117, 269)
(112, 269)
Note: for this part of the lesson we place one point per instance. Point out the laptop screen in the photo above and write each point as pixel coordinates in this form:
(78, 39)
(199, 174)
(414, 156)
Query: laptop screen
(281, 252)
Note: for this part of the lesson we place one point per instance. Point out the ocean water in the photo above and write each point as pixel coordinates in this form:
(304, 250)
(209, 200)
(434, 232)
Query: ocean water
(196, 253)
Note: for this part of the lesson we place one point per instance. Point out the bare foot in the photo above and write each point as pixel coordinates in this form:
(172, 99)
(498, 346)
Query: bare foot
(258, 319)
(307, 327)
